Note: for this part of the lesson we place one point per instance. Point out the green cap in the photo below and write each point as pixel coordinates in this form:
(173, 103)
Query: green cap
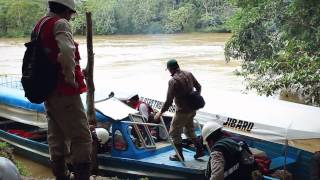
(172, 64)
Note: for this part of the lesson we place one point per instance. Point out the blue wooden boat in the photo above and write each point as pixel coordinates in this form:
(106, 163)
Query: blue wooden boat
(128, 161)
(125, 155)
(20, 118)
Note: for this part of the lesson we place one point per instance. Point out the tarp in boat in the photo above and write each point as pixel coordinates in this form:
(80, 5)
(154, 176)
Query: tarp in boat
(114, 109)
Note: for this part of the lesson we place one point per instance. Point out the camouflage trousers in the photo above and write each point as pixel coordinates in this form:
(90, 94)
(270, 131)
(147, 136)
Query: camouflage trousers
(182, 122)
(68, 129)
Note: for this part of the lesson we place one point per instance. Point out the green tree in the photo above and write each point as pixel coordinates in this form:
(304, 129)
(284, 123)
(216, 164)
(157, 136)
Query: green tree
(103, 15)
(214, 14)
(178, 20)
(79, 22)
(142, 15)
(4, 4)
(279, 43)
(18, 17)
(121, 16)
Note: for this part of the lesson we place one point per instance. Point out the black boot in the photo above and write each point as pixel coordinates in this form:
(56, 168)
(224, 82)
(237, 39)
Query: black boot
(81, 171)
(199, 148)
(175, 156)
(59, 169)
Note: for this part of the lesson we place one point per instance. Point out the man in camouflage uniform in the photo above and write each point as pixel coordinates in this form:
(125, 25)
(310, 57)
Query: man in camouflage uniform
(180, 86)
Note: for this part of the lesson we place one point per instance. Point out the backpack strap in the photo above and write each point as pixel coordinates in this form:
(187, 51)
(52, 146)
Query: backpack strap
(35, 35)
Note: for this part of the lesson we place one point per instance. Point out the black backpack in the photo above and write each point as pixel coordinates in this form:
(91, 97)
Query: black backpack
(39, 72)
(195, 100)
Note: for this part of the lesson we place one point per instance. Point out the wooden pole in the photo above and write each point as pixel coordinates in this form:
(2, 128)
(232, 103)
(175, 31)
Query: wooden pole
(89, 70)
(91, 114)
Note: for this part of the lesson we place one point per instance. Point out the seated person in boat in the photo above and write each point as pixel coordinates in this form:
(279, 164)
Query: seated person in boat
(230, 157)
(145, 110)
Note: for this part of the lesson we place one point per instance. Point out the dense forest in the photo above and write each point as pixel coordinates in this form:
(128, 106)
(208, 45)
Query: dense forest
(18, 17)
(279, 42)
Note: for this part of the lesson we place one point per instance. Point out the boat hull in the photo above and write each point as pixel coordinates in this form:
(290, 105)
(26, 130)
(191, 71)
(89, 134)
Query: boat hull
(28, 148)
(108, 165)
(126, 168)
(156, 167)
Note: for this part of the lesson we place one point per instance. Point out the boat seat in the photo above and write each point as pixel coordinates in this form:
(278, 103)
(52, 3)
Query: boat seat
(278, 162)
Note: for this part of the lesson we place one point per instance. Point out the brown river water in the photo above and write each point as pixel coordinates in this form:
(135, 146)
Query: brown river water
(136, 63)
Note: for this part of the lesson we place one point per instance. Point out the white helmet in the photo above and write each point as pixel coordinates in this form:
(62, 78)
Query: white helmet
(8, 170)
(69, 3)
(208, 129)
(103, 135)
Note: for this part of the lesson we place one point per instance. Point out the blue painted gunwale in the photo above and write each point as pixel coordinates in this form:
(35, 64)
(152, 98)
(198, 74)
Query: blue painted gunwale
(15, 98)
